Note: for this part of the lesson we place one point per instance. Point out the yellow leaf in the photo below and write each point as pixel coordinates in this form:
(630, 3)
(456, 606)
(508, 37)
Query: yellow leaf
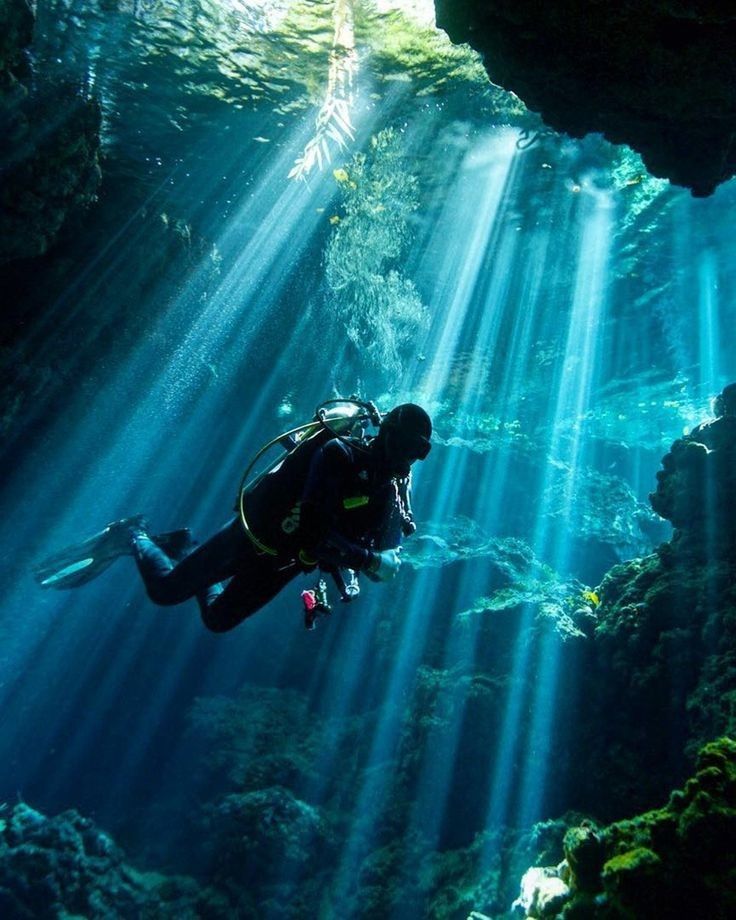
(334, 219)
(340, 174)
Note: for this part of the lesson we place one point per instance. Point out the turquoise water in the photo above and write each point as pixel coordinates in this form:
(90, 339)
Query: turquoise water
(300, 200)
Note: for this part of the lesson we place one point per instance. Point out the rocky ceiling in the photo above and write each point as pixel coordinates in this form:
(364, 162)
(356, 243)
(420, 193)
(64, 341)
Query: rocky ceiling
(659, 75)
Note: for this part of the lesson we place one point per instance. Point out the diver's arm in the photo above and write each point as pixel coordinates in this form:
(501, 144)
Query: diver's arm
(336, 550)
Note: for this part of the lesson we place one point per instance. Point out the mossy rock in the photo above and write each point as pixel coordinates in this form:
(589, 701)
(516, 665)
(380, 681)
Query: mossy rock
(633, 878)
(585, 855)
(720, 754)
(677, 860)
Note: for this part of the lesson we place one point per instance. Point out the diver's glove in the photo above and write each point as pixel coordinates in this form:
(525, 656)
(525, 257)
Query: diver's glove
(384, 565)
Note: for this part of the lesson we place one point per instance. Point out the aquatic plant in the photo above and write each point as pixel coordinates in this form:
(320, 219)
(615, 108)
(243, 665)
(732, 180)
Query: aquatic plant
(379, 307)
(524, 581)
(333, 121)
(563, 604)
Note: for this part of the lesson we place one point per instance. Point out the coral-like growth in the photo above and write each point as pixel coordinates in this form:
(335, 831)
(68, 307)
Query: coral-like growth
(64, 866)
(676, 861)
(264, 835)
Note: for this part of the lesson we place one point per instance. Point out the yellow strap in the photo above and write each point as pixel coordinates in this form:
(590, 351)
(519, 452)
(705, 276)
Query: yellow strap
(355, 501)
(261, 547)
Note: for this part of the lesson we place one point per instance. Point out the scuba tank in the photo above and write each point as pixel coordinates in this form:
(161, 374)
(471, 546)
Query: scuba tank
(268, 503)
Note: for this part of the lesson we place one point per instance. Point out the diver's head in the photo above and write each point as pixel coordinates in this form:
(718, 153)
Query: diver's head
(404, 436)
(725, 402)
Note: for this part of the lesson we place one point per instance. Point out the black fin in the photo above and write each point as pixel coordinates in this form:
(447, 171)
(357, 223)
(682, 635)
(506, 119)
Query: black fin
(81, 562)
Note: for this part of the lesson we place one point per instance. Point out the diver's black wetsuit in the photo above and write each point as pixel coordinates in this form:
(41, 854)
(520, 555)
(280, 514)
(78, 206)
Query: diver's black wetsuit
(349, 505)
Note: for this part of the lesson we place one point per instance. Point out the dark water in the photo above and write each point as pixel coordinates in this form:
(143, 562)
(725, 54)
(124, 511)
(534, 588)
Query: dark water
(561, 314)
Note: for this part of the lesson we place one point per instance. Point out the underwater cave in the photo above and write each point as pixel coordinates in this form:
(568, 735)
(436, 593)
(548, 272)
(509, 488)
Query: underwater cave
(413, 327)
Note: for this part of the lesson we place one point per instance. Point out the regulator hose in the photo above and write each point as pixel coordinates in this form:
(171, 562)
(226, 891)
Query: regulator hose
(321, 420)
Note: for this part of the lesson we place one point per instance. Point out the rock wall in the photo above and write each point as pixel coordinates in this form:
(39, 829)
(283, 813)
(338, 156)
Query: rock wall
(664, 647)
(67, 866)
(655, 74)
(49, 144)
(696, 489)
(16, 31)
(675, 861)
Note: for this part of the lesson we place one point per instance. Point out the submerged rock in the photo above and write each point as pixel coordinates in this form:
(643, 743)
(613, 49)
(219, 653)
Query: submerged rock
(543, 892)
(49, 144)
(66, 865)
(664, 672)
(676, 861)
(696, 489)
(16, 32)
(263, 834)
(50, 148)
(663, 660)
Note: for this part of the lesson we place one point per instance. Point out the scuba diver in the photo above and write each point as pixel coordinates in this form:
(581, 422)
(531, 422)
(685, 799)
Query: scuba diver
(337, 501)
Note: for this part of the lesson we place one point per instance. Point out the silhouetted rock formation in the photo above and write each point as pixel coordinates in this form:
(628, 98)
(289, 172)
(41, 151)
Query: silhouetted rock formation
(16, 31)
(696, 490)
(49, 144)
(655, 74)
(66, 866)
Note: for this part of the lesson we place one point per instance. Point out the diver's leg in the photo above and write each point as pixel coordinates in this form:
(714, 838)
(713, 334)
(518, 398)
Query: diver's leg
(254, 585)
(216, 560)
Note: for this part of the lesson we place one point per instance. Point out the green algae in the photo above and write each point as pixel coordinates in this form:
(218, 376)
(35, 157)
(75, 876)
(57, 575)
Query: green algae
(673, 861)
(630, 878)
